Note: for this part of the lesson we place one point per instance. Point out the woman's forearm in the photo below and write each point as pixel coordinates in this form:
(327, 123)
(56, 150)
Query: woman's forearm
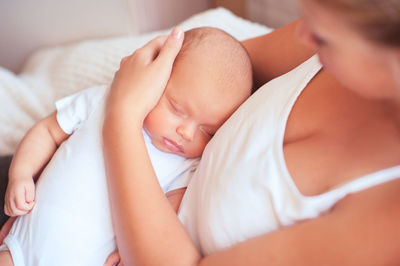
(276, 53)
(147, 228)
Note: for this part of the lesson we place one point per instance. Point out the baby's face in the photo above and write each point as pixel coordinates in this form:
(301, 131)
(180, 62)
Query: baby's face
(190, 111)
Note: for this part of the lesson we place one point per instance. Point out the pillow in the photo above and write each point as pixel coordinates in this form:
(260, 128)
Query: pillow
(52, 73)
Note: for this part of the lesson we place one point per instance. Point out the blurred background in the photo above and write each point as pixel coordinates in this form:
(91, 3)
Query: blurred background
(26, 25)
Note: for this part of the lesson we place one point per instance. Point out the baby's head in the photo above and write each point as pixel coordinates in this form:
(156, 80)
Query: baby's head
(211, 78)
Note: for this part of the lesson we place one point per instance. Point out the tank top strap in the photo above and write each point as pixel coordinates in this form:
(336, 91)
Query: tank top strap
(356, 185)
(373, 179)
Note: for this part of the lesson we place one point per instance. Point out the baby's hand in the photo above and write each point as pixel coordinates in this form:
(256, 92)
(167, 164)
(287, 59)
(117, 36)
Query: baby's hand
(20, 196)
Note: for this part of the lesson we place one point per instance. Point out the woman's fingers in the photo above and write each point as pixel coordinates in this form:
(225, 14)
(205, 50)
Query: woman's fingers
(151, 50)
(165, 48)
(147, 53)
(113, 259)
(20, 200)
(143, 76)
(171, 47)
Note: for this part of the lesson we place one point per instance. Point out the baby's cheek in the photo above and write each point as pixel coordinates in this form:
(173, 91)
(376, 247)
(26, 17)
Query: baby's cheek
(203, 144)
(196, 148)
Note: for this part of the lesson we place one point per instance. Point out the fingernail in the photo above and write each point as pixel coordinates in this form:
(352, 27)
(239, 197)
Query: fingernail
(177, 33)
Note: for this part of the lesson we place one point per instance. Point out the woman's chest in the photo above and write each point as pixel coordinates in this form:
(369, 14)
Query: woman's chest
(333, 136)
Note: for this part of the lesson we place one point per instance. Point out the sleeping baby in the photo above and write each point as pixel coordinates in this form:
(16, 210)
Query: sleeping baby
(64, 219)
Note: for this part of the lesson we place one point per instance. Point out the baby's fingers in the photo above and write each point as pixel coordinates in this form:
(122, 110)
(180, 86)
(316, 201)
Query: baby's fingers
(11, 210)
(16, 212)
(7, 209)
(30, 193)
(21, 202)
(8, 206)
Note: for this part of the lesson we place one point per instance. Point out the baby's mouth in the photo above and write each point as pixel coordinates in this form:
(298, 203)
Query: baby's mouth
(173, 146)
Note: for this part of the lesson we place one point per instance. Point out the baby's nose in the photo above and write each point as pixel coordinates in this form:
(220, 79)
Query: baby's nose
(186, 132)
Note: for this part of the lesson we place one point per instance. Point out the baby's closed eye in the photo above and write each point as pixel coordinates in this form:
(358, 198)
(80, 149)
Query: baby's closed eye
(176, 109)
(208, 131)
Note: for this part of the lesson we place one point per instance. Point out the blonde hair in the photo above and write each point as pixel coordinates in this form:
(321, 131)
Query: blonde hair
(376, 20)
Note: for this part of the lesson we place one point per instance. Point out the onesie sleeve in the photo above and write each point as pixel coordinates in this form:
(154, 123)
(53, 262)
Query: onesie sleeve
(76, 108)
(183, 179)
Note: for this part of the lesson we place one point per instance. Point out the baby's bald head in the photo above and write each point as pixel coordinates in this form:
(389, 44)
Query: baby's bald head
(222, 56)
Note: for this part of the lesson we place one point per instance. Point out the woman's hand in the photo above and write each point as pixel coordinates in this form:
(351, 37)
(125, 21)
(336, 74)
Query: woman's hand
(143, 76)
(114, 259)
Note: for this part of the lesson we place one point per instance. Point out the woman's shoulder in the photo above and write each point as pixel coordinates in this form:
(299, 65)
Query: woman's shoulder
(377, 206)
(367, 221)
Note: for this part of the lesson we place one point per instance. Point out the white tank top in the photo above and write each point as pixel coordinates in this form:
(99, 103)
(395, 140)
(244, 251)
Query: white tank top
(242, 187)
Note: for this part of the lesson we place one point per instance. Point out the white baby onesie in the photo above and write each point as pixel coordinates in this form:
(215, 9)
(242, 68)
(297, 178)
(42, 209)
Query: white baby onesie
(70, 223)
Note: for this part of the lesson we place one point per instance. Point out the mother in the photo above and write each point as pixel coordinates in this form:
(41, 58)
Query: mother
(344, 126)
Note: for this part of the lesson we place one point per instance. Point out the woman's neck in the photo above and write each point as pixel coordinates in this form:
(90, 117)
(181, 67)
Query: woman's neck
(392, 109)
(397, 114)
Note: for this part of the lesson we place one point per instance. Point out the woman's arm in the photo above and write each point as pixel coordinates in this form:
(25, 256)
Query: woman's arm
(140, 225)
(174, 197)
(276, 53)
(361, 229)
(148, 231)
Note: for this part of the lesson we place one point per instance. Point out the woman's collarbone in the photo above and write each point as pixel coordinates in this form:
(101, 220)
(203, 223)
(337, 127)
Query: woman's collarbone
(324, 160)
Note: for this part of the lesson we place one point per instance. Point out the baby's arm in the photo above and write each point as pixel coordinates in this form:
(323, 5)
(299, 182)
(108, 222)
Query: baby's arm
(33, 153)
